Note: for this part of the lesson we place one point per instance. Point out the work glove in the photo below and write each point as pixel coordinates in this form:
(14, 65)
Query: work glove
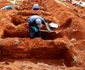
(48, 29)
(35, 29)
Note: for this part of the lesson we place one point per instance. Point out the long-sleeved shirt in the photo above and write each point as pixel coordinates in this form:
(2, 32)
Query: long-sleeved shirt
(32, 20)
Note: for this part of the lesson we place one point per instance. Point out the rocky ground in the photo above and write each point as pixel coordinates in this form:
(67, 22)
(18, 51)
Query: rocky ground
(63, 50)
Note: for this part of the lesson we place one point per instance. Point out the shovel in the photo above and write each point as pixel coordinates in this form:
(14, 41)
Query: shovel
(53, 32)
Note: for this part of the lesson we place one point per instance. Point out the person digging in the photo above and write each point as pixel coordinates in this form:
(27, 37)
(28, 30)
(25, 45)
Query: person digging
(34, 24)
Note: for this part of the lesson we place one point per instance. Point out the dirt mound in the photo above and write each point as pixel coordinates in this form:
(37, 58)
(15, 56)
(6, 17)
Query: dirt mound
(37, 48)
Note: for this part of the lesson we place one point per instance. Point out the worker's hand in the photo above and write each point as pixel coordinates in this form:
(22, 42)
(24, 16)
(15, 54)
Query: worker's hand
(36, 30)
(49, 31)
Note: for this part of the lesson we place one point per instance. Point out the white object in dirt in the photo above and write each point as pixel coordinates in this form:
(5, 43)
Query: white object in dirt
(73, 40)
(82, 4)
(53, 25)
(79, 3)
(16, 42)
(74, 2)
(13, 2)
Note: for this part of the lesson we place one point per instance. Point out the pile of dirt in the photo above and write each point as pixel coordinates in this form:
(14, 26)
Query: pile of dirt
(66, 47)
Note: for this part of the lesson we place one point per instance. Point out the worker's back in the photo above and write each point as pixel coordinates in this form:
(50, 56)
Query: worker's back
(32, 19)
(36, 7)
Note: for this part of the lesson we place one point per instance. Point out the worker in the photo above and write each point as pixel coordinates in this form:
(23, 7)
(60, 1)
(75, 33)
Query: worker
(35, 22)
(7, 7)
(36, 7)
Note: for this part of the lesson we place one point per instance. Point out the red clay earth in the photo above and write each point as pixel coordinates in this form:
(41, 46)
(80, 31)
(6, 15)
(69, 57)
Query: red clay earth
(62, 51)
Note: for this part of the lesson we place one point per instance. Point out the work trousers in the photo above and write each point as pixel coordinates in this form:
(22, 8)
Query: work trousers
(34, 34)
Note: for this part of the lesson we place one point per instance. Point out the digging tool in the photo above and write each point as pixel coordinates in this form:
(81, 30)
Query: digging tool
(55, 32)
(61, 28)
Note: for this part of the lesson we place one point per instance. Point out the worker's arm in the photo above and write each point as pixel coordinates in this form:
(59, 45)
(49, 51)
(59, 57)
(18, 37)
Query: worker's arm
(48, 29)
(35, 29)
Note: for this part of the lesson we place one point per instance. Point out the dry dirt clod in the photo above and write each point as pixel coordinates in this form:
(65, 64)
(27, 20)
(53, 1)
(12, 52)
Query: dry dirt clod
(73, 40)
(1, 67)
(16, 42)
(5, 63)
(75, 60)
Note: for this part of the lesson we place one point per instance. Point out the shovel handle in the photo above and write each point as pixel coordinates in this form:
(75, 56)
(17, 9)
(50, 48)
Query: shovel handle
(46, 31)
(51, 31)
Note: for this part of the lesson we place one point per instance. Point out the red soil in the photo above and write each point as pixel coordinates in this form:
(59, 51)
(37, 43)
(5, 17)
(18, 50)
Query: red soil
(55, 49)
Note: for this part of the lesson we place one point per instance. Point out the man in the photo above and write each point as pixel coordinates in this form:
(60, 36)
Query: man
(35, 22)
(36, 7)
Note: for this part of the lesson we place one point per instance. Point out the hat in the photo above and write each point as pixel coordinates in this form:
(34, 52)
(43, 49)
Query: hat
(38, 22)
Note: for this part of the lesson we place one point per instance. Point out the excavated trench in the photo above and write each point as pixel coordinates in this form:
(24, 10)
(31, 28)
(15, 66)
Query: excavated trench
(20, 28)
(16, 44)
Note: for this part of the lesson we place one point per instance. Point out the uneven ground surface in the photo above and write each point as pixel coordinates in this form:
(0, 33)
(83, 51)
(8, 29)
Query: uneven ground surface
(55, 51)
